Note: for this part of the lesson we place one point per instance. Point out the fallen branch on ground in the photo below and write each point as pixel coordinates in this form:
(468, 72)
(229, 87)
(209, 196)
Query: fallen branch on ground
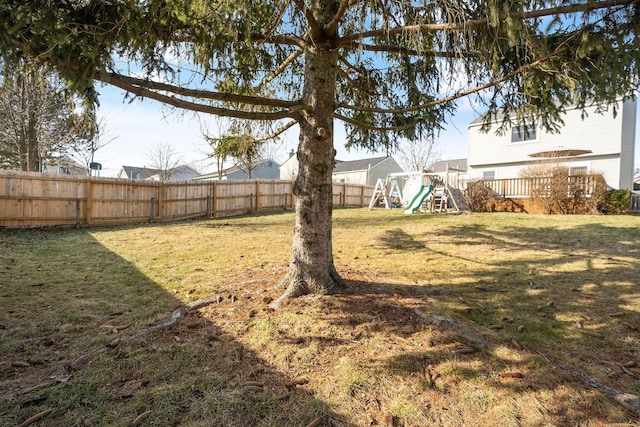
(176, 317)
(35, 418)
(169, 323)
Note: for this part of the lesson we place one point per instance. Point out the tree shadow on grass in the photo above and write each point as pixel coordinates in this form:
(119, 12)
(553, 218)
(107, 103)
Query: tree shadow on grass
(564, 296)
(65, 295)
(514, 365)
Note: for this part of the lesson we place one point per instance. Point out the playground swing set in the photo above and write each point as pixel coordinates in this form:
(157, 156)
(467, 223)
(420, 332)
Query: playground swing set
(421, 191)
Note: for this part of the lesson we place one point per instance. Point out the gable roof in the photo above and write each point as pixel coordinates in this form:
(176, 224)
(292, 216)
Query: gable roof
(179, 173)
(255, 166)
(357, 165)
(455, 164)
(64, 164)
(139, 173)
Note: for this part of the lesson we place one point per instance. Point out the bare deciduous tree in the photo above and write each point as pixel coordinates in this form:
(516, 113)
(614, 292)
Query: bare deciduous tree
(39, 119)
(83, 150)
(165, 158)
(417, 154)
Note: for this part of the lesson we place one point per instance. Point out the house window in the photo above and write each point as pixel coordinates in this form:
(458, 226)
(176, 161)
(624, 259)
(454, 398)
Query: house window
(489, 174)
(524, 133)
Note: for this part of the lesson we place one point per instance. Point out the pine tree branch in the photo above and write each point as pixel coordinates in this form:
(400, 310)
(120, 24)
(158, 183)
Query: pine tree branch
(407, 52)
(481, 22)
(278, 21)
(367, 126)
(315, 27)
(295, 55)
(342, 9)
(457, 95)
(276, 39)
(278, 131)
(197, 93)
(146, 92)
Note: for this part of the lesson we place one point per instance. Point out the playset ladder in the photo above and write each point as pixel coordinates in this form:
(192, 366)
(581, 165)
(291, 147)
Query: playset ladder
(379, 190)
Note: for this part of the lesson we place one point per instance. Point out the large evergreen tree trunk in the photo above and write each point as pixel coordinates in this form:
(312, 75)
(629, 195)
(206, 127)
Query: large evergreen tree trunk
(311, 269)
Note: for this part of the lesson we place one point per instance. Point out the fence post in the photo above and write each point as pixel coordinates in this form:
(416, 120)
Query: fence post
(161, 198)
(292, 197)
(89, 203)
(344, 195)
(208, 213)
(257, 195)
(214, 202)
(77, 213)
(250, 202)
(152, 208)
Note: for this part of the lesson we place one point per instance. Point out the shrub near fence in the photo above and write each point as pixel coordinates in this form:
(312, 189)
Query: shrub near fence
(30, 199)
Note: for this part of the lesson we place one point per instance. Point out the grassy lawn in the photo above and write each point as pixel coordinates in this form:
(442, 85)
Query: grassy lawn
(545, 291)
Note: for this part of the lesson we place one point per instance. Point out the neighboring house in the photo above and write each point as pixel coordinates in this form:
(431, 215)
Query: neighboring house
(264, 169)
(359, 172)
(365, 171)
(289, 168)
(453, 172)
(134, 172)
(64, 165)
(601, 143)
(179, 173)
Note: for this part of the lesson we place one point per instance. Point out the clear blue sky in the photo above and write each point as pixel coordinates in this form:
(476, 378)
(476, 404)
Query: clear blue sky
(137, 126)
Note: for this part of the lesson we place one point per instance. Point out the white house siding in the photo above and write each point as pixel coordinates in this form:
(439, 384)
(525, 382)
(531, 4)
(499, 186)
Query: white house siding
(351, 177)
(611, 140)
(627, 153)
(289, 169)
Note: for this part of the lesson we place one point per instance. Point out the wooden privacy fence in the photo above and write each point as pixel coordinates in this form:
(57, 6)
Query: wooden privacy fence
(34, 199)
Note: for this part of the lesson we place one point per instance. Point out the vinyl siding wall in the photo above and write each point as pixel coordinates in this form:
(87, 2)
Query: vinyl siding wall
(370, 176)
(611, 140)
(381, 170)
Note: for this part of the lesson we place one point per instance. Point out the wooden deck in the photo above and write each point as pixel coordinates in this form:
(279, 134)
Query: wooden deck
(528, 187)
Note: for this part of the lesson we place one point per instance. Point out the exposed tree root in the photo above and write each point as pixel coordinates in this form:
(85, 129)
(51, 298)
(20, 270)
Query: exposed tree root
(299, 288)
(298, 283)
(629, 401)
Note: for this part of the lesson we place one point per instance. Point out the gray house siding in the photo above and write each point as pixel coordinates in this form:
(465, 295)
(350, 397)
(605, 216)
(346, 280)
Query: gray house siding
(267, 169)
(365, 171)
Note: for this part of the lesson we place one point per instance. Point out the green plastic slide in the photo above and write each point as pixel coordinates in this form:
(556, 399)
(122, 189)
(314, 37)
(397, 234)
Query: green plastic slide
(418, 199)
